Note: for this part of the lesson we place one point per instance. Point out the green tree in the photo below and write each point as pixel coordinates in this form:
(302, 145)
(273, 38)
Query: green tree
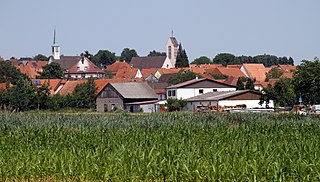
(9, 73)
(156, 53)
(240, 84)
(104, 58)
(202, 60)
(127, 54)
(250, 84)
(52, 71)
(42, 96)
(307, 81)
(40, 57)
(182, 76)
(175, 104)
(219, 76)
(182, 58)
(224, 59)
(87, 55)
(273, 73)
(282, 93)
(84, 94)
(21, 96)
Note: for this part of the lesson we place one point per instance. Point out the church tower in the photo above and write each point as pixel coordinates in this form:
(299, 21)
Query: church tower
(172, 48)
(55, 48)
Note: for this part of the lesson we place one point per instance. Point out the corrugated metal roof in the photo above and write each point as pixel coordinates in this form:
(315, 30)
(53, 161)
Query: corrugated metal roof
(215, 96)
(134, 90)
(179, 85)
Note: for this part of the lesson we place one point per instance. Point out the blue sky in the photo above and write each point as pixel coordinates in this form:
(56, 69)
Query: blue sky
(204, 27)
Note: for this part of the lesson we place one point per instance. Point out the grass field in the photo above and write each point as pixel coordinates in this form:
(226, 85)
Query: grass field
(159, 147)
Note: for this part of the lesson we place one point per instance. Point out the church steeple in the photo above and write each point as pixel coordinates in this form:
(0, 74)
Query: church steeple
(55, 47)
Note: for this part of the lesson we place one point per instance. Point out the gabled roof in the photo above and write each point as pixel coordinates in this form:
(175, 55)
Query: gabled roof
(257, 71)
(231, 80)
(53, 84)
(66, 62)
(134, 90)
(171, 70)
(117, 65)
(92, 68)
(165, 78)
(69, 86)
(127, 73)
(28, 70)
(148, 62)
(235, 72)
(174, 41)
(190, 82)
(216, 96)
(147, 72)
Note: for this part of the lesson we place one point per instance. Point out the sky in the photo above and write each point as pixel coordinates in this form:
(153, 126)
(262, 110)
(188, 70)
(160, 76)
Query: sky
(204, 27)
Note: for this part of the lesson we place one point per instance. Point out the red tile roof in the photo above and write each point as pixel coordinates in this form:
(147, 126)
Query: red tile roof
(195, 81)
(127, 73)
(172, 70)
(1, 59)
(205, 66)
(69, 86)
(147, 72)
(52, 83)
(117, 65)
(234, 72)
(28, 70)
(256, 71)
(3, 86)
(231, 80)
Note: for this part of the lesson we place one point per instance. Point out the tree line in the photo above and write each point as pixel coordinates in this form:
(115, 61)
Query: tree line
(230, 59)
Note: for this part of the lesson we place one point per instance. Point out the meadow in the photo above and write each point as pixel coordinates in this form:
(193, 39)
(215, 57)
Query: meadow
(159, 147)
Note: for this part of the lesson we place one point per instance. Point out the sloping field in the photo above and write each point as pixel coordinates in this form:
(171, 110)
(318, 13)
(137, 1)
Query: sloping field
(159, 147)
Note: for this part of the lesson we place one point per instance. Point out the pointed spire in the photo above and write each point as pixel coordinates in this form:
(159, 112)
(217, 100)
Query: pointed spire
(54, 36)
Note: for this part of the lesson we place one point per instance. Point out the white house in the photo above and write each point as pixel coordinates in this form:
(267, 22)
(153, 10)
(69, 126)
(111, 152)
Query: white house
(196, 87)
(229, 99)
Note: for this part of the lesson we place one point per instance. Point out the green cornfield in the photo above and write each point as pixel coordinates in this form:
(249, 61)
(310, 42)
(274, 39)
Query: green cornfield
(180, 146)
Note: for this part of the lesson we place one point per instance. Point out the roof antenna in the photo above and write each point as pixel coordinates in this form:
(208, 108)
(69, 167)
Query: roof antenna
(171, 33)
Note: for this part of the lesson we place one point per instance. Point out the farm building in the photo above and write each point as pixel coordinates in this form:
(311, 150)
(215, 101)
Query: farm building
(196, 87)
(129, 96)
(229, 99)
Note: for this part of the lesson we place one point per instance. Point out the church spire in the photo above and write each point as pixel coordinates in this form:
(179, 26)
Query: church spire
(55, 47)
(54, 36)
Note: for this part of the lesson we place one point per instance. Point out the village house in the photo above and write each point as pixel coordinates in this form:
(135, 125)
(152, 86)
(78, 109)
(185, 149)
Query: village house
(76, 67)
(128, 96)
(227, 100)
(196, 87)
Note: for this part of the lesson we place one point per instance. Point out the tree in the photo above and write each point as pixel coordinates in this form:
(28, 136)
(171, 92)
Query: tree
(219, 76)
(175, 104)
(127, 54)
(155, 53)
(87, 55)
(307, 81)
(84, 94)
(240, 85)
(40, 57)
(202, 60)
(273, 73)
(21, 96)
(182, 58)
(9, 73)
(104, 58)
(245, 83)
(224, 59)
(282, 93)
(182, 76)
(52, 71)
(42, 96)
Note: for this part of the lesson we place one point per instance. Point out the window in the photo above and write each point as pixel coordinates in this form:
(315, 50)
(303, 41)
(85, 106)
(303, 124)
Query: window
(173, 93)
(169, 93)
(215, 90)
(169, 52)
(200, 91)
